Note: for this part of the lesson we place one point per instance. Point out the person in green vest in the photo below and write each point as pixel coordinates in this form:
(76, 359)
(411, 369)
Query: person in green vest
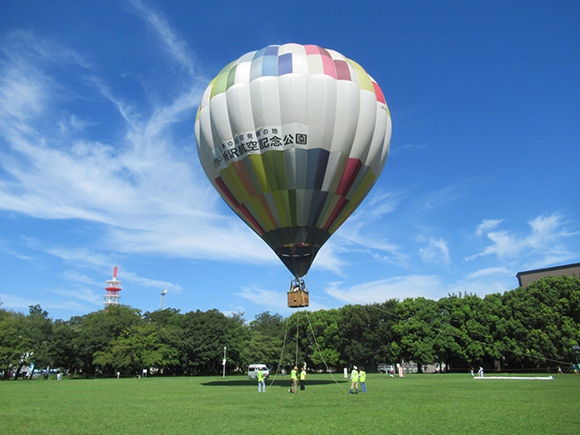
(261, 382)
(362, 378)
(354, 380)
(294, 379)
(303, 379)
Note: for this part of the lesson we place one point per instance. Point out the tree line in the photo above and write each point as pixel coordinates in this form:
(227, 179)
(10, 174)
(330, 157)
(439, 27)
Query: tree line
(528, 328)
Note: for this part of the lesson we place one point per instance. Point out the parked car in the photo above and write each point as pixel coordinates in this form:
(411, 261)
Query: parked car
(386, 368)
(253, 370)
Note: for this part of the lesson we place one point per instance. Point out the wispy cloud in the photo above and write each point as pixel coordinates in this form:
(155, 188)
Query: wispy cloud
(400, 287)
(74, 276)
(442, 197)
(436, 252)
(261, 297)
(487, 225)
(492, 280)
(82, 257)
(143, 189)
(491, 271)
(364, 229)
(83, 294)
(71, 302)
(545, 243)
(172, 44)
(330, 257)
(152, 283)
(407, 147)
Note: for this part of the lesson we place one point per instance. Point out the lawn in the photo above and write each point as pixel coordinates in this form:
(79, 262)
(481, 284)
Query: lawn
(418, 404)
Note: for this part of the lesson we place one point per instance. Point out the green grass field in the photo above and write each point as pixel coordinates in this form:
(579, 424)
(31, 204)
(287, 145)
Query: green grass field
(418, 404)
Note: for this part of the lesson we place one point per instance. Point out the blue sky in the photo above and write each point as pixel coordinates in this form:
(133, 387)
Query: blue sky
(99, 168)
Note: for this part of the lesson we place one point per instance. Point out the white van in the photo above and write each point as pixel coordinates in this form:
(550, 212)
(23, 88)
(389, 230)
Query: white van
(253, 370)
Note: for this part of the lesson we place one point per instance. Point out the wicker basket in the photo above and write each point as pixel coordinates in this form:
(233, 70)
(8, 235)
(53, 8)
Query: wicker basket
(297, 299)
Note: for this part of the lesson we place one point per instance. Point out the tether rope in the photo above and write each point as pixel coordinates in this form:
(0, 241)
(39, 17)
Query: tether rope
(320, 352)
(314, 338)
(280, 361)
(297, 336)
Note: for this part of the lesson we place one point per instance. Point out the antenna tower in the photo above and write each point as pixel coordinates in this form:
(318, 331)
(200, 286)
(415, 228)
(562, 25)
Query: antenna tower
(163, 293)
(113, 288)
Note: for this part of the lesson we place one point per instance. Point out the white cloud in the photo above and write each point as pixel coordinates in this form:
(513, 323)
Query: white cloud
(77, 256)
(73, 276)
(443, 197)
(176, 48)
(487, 225)
(269, 299)
(73, 124)
(83, 294)
(436, 253)
(401, 287)
(23, 304)
(330, 258)
(378, 204)
(492, 271)
(545, 243)
(143, 187)
(405, 147)
(148, 282)
(364, 230)
(16, 302)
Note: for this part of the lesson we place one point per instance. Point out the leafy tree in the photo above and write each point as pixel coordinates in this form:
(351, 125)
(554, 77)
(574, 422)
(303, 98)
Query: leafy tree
(265, 322)
(353, 325)
(416, 330)
(63, 347)
(530, 327)
(322, 338)
(138, 348)
(166, 317)
(204, 335)
(98, 331)
(378, 335)
(14, 344)
(266, 335)
(39, 331)
(540, 321)
(167, 322)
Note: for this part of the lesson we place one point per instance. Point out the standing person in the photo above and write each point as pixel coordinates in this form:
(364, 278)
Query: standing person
(480, 372)
(303, 379)
(362, 377)
(354, 380)
(294, 379)
(261, 382)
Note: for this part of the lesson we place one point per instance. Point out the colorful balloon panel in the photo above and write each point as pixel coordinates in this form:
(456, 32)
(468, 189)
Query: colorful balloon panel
(293, 137)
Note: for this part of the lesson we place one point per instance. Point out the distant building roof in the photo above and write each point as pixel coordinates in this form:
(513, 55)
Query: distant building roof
(529, 276)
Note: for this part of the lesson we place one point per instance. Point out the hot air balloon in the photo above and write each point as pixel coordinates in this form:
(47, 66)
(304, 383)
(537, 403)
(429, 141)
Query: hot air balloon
(293, 137)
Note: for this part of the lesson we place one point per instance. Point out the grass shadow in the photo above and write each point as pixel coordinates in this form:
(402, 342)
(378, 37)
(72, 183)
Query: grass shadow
(280, 383)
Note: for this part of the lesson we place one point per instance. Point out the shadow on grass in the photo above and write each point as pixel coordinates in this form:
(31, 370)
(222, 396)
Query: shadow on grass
(281, 383)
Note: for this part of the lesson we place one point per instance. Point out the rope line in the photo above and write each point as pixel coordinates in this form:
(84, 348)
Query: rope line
(320, 352)
(297, 334)
(280, 361)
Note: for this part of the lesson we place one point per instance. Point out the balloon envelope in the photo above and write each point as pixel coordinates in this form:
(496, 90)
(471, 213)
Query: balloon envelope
(293, 137)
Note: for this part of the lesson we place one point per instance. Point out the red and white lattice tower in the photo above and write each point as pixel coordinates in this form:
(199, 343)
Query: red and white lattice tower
(113, 288)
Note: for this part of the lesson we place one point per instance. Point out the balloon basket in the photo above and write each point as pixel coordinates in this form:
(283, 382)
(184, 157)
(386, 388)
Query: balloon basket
(297, 299)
